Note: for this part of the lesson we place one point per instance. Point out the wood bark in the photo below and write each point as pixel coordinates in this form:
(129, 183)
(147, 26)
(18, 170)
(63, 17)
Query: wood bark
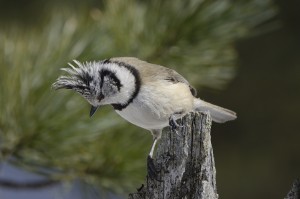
(185, 162)
(294, 193)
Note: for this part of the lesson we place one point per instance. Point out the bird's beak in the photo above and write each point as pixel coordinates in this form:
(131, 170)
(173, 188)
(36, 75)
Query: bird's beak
(93, 110)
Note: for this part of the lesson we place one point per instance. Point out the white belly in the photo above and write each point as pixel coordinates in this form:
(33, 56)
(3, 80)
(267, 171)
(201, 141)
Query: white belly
(143, 116)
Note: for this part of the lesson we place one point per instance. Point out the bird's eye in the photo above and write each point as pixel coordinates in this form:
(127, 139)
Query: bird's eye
(100, 97)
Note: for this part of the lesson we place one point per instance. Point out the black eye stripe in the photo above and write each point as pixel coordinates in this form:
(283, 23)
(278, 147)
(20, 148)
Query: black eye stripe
(116, 81)
(137, 81)
(112, 76)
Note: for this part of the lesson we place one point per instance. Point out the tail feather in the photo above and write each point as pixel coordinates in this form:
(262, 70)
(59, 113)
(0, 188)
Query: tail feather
(218, 114)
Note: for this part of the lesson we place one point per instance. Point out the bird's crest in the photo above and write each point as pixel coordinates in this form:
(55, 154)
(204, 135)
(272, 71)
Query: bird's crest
(79, 77)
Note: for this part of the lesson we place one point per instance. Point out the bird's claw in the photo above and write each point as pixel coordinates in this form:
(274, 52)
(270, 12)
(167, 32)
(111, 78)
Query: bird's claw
(173, 124)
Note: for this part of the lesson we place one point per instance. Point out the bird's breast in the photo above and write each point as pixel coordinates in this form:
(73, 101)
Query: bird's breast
(142, 116)
(154, 105)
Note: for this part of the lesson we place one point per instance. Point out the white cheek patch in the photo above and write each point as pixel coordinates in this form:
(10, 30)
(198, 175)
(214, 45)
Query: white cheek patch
(127, 80)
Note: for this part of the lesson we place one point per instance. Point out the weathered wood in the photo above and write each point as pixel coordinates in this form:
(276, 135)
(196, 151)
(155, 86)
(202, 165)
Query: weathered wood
(295, 191)
(186, 163)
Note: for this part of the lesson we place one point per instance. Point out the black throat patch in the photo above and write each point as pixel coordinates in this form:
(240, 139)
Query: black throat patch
(137, 83)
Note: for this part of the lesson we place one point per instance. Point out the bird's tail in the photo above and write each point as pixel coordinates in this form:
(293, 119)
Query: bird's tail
(217, 113)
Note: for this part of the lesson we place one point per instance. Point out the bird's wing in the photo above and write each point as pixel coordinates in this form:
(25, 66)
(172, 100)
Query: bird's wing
(152, 71)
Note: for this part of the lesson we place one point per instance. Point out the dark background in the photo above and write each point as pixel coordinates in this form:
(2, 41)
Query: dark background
(257, 156)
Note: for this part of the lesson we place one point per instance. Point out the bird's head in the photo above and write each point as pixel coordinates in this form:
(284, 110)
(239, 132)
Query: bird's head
(101, 83)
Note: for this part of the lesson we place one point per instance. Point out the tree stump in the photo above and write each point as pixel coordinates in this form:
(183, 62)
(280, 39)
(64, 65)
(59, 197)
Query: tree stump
(294, 193)
(185, 161)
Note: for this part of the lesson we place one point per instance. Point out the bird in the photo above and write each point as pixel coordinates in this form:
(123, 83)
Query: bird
(147, 95)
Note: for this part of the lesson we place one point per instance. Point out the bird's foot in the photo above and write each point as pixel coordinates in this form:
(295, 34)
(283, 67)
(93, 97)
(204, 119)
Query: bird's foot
(173, 124)
(152, 169)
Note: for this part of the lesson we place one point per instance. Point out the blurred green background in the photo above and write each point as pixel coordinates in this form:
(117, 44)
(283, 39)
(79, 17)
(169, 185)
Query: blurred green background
(243, 55)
